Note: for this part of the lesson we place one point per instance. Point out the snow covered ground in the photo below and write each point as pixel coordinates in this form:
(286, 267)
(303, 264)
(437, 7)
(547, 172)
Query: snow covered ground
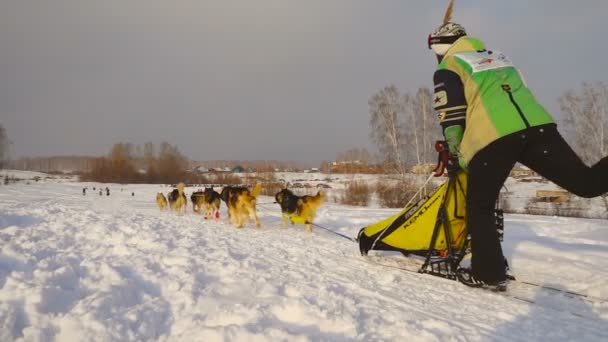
(99, 268)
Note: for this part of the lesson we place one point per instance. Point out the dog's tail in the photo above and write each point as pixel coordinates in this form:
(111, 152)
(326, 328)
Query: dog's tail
(180, 188)
(256, 190)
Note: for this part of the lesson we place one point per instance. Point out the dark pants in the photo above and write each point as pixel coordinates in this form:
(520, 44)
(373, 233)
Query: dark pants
(543, 150)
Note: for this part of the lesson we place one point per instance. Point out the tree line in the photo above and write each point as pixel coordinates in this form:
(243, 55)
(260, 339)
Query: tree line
(128, 163)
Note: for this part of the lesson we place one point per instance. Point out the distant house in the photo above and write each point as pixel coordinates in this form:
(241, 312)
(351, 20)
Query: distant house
(220, 170)
(200, 169)
(522, 172)
(355, 166)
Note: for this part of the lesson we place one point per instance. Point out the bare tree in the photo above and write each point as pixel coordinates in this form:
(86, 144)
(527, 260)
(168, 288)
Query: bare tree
(386, 109)
(325, 166)
(150, 162)
(586, 112)
(422, 129)
(412, 133)
(121, 159)
(172, 164)
(4, 145)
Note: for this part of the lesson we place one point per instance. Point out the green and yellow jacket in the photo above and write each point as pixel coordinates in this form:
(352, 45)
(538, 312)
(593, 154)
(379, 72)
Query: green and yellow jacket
(480, 97)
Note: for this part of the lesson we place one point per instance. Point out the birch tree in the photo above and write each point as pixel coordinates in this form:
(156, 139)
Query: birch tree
(386, 109)
(412, 132)
(422, 128)
(429, 128)
(586, 113)
(4, 144)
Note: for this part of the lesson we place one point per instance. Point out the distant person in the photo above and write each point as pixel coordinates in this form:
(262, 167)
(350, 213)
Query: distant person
(491, 120)
(100, 192)
(84, 191)
(107, 191)
(133, 194)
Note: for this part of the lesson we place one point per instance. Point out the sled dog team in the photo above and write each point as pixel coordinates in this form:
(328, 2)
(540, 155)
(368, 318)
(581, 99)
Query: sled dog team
(241, 203)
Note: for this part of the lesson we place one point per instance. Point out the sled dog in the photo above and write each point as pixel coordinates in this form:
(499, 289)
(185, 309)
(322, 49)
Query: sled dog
(161, 201)
(197, 200)
(300, 208)
(177, 198)
(241, 203)
(229, 191)
(210, 200)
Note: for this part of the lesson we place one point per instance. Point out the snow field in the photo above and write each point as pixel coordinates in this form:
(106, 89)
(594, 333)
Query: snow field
(115, 268)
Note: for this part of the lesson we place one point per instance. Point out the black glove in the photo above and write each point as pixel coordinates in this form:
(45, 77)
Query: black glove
(453, 165)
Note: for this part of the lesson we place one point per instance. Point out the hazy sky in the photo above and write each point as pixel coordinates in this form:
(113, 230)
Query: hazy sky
(255, 79)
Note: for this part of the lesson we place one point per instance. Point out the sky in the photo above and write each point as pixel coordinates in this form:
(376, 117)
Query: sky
(263, 79)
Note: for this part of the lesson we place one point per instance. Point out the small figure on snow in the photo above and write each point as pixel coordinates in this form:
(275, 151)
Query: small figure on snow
(491, 120)
(84, 191)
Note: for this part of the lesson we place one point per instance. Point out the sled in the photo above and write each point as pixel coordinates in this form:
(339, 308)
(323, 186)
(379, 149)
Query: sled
(433, 228)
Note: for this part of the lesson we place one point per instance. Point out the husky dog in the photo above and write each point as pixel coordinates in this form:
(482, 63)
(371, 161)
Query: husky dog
(197, 200)
(210, 199)
(241, 204)
(177, 198)
(300, 209)
(161, 201)
(212, 203)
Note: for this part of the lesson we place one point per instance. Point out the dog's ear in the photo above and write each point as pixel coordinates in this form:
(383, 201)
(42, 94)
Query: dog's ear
(279, 196)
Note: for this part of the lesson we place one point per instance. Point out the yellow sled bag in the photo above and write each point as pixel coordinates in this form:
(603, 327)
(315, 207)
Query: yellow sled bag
(412, 229)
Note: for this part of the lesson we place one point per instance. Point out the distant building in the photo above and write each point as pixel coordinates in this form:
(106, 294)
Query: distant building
(200, 169)
(521, 172)
(354, 166)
